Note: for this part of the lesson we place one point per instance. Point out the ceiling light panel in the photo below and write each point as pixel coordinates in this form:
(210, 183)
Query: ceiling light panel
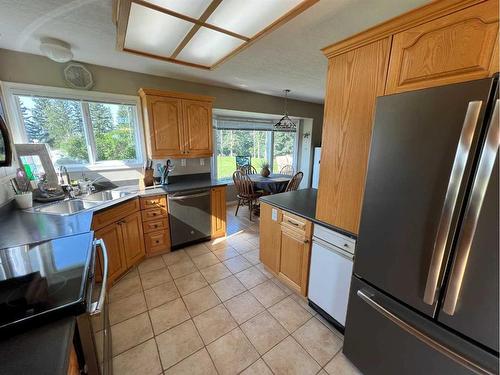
(154, 32)
(246, 17)
(191, 8)
(208, 46)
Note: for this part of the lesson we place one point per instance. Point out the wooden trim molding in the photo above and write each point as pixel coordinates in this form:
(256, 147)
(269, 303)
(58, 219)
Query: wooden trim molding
(415, 17)
(177, 95)
(121, 12)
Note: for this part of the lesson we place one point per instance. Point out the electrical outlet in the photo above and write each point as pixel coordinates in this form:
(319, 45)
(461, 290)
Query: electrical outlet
(202, 161)
(183, 162)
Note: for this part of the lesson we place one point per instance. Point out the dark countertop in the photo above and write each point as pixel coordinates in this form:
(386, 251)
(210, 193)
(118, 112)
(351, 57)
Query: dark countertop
(18, 227)
(301, 203)
(42, 350)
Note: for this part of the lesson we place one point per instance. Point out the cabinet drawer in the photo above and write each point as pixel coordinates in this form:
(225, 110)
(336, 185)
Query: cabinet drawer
(155, 201)
(154, 214)
(294, 223)
(155, 225)
(157, 241)
(115, 213)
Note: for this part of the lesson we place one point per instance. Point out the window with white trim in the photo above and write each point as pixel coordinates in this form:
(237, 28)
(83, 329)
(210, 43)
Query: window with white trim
(82, 131)
(255, 139)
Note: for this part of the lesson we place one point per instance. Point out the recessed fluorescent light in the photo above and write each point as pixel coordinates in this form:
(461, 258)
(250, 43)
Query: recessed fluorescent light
(199, 33)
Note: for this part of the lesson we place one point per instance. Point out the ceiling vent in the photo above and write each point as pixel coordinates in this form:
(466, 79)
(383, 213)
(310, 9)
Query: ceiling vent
(78, 76)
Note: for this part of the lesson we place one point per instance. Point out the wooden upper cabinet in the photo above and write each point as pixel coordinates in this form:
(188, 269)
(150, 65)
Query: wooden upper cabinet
(355, 79)
(218, 209)
(165, 116)
(197, 127)
(133, 239)
(459, 47)
(177, 124)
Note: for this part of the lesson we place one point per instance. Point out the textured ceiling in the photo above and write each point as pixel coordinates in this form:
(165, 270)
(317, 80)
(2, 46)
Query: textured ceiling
(289, 57)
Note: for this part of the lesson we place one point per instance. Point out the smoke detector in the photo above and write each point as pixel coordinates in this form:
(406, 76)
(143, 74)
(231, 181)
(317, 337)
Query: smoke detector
(56, 50)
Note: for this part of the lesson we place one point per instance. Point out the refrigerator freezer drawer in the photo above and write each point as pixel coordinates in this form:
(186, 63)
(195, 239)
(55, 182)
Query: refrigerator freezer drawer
(329, 279)
(382, 337)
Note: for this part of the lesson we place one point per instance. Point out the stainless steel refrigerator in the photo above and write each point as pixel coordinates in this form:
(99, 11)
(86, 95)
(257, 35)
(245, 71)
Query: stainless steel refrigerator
(424, 296)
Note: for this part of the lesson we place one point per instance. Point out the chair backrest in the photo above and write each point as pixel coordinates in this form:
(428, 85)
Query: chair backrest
(248, 169)
(244, 185)
(242, 161)
(294, 182)
(287, 169)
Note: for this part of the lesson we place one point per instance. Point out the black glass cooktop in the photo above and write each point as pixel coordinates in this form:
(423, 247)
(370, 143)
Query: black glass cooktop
(44, 277)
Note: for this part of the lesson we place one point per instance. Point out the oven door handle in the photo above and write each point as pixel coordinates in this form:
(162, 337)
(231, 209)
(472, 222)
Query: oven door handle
(96, 307)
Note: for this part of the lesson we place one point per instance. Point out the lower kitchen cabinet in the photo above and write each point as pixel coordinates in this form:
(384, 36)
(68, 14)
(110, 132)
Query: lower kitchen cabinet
(120, 227)
(285, 246)
(155, 224)
(270, 236)
(133, 239)
(113, 239)
(218, 208)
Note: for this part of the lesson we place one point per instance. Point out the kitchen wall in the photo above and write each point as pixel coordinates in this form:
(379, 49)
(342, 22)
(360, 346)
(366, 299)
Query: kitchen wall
(38, 70)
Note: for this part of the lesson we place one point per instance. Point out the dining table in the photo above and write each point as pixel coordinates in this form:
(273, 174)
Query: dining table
(273, 184)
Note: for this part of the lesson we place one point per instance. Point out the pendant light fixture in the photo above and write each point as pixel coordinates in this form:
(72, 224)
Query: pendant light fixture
(285, 124)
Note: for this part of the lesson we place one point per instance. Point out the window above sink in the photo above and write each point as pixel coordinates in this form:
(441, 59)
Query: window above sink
(84, 130)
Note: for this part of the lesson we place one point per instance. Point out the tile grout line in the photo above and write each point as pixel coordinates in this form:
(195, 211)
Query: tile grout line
(151, 322)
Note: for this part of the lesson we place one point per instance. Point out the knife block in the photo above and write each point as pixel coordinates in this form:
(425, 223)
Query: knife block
(148, 177)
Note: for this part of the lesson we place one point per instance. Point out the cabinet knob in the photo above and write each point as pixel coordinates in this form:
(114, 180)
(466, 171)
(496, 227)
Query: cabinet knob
(157, 241)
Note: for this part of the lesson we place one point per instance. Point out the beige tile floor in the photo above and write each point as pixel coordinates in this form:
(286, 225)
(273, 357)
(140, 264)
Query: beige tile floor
(212, 308)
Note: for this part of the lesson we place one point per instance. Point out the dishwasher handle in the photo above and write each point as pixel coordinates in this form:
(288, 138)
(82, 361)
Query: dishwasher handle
(333, 248)
(187, 196)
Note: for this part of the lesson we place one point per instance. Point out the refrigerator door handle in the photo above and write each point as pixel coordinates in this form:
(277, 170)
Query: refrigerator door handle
(450, 201)
(367, 297)
(472, 212)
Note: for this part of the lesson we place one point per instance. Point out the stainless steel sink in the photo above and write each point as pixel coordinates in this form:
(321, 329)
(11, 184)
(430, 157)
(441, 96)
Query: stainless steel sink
(67, 207)
(103, 196)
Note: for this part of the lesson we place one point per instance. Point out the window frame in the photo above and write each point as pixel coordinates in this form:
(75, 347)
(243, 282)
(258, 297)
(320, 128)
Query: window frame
(12, 89)
(269, 141)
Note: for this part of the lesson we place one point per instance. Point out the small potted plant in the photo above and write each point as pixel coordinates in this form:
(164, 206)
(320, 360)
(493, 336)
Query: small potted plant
(265, 172)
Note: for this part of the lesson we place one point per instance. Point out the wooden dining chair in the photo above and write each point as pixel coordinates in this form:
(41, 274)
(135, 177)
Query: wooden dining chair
(245, 192)
(248, 169)
(287, 169)
(294, 183)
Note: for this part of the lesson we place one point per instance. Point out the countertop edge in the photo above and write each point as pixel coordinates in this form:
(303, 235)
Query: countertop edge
(269, 200)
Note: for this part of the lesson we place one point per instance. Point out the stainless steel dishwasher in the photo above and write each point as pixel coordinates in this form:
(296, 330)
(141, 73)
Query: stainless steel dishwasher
(190, 217)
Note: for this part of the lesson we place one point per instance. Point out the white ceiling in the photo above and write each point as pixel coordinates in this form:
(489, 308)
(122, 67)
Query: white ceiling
(289, 57)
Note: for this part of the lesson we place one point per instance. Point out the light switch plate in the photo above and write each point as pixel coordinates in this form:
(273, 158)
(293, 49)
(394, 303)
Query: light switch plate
(202, 161)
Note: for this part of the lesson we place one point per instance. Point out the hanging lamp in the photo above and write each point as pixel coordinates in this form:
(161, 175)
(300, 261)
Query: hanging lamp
(285, 124)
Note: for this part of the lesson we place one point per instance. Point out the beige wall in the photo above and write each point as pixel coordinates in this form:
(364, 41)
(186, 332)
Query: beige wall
(33, 69)
(38, 70)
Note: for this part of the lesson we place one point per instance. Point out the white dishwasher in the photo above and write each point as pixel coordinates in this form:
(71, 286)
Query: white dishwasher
(330, 274)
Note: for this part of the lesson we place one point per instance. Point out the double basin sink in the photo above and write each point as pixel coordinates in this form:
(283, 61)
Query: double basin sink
(72, 206)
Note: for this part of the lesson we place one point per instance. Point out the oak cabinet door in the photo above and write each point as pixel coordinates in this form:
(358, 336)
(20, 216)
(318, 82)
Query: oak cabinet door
(355, 79)
(165, 126)
(461, 46)
(197, 127)
(218, 208)
(294, 259)
(270, 236)
(133, 238)
(112, 237)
